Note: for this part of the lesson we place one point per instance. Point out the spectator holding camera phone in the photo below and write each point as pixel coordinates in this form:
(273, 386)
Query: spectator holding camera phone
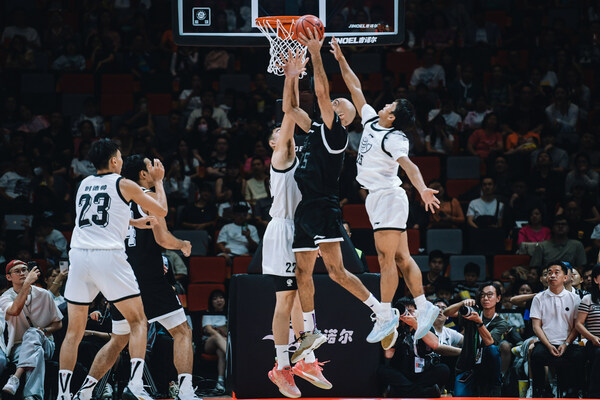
(32, 317)
(478, 370)
(413, 369)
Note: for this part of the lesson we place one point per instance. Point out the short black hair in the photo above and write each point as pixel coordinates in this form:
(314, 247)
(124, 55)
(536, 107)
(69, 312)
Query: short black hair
(404, 114)
(406, 301)
(101, 152)
(472, 268)
(560, 217)
(132, 167)
(440, 300)
(436, 254)
(561, 264)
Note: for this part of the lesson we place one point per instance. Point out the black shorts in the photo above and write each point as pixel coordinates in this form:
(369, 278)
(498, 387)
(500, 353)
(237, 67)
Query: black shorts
(158, 298)
(317, 221)
(284, 283)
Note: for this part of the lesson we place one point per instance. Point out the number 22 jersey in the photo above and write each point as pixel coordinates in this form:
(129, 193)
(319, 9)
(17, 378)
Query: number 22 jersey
(102, 219)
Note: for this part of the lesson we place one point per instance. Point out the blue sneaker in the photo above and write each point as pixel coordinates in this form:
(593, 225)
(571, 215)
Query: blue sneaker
(425, 318)
(383, 327)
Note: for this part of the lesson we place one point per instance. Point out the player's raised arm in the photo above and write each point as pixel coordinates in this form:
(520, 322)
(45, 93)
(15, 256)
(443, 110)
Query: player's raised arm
(284, 151)
(350, 79)
(290, 104)
(321, 83)
(132, 192)
(414, 174)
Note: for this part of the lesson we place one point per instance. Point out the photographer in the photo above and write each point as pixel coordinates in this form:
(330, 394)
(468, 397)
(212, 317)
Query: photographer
(413, 369)
(478, 366)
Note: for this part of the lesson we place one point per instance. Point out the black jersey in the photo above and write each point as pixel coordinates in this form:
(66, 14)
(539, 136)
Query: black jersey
(322, 159)
(143, 253)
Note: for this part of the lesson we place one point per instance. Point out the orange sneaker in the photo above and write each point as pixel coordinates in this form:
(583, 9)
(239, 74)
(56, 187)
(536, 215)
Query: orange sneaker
(284, 379)
(312, 373)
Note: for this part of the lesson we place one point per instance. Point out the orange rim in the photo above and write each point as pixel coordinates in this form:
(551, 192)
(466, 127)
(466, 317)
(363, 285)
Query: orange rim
(285, 20)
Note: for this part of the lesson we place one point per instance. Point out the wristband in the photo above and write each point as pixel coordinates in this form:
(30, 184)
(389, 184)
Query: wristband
(479, 325)
(566, 343)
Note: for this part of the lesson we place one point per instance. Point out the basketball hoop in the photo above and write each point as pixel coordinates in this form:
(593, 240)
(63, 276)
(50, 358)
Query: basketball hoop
(280, 33)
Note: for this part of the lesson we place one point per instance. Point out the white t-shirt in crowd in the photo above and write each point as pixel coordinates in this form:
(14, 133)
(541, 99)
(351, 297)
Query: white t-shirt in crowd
(557, 313)
(232, 236)
(478, 207)
(449, 337)
(433, 76)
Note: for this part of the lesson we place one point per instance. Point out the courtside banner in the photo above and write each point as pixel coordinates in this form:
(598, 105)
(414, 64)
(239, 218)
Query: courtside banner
(343, 319)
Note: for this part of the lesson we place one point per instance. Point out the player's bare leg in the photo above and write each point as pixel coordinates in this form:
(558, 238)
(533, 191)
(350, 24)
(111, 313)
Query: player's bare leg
(310, 338)
(78, 315)
(332, 257)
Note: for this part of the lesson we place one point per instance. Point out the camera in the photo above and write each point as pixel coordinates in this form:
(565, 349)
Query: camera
(402, 310)
(467, 310)
(31, 265)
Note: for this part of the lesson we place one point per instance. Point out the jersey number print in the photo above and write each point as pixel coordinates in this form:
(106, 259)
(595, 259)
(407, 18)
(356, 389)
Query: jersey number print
(102, 200)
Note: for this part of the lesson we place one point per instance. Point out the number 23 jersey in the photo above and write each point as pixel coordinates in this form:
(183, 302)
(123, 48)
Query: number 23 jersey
(102, 219)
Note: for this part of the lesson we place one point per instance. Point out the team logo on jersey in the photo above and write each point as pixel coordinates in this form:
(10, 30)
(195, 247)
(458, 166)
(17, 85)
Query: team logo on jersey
(365, 145)
(289, 282)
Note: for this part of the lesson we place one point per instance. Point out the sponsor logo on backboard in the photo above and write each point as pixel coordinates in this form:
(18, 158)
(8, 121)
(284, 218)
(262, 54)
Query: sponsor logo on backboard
(201, 16)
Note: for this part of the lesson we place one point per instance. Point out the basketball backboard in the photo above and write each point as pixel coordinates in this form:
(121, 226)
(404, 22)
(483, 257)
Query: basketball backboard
(231, 22)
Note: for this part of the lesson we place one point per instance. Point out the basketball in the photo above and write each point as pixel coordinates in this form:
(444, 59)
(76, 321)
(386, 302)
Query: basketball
(308, 22)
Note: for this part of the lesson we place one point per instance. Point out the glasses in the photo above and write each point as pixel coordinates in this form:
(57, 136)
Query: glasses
(489, 295)
(18, 271)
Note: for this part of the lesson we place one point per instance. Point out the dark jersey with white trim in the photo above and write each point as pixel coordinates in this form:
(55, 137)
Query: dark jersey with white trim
(143, 253)
(321, 163)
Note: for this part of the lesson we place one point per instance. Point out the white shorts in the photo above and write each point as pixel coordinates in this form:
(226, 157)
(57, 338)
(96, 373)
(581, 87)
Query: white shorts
(99, 271)
(169, 321)
(388, 209)
(277, 255)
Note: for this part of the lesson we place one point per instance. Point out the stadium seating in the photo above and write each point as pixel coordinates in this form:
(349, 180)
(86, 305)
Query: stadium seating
(207, 270)
(422, 261)
(199, 240)
(198, 293)
(462, 167)
(77, 83)
(505, 262)
(458, 187)
(357, 216)
(449, 241)
(117, 83)
(160, 103)
(486, 241)
(430, 167)
(414, 240)
(240, 265)
(457, 267)
(373, 264)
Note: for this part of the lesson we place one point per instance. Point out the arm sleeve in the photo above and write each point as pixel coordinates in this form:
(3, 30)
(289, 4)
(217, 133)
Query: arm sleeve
(499, 330)
(368, 113)
(471, 209)
(223, 235)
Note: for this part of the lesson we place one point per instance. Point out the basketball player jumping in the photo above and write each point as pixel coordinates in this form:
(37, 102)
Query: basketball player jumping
(318, 218)
(144, 252)
(278, 257)
(99, 263)
(384, 147)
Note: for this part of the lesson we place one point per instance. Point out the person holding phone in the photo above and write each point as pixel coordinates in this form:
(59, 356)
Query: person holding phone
(478, 369)
(237, 238)
(32, 316)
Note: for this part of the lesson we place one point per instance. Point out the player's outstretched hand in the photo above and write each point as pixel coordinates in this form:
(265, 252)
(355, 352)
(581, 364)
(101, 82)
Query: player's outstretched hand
(336, 50)
(431, 202)
(187, 248)
(294, 65)
(157, 170)
(311, 42)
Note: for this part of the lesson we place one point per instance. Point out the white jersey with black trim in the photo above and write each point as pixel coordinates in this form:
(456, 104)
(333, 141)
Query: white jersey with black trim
(284, 191)
(378, 153)
(103, 214)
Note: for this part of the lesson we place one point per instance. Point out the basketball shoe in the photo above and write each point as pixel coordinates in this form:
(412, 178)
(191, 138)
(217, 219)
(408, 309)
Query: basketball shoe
(309, 341)
(312, 373)
(390, 340)
(135, 392)
(284, 379)
(425, 318)
(383, 326)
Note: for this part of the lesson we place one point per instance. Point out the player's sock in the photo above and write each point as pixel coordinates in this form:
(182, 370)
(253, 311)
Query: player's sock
(420, 301)
(64, 383)
(137, 369)
(185, 383)
(387, 310)
(87, 389)
(283, 356)
(310, 358)
(374, 305)
(310, 321)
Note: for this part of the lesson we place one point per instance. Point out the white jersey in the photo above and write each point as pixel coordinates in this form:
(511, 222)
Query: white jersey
(285, 192)
(102, 214)
(379, 151)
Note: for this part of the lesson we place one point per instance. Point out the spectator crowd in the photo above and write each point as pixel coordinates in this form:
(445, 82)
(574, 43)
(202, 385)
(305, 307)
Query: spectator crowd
(509, 88)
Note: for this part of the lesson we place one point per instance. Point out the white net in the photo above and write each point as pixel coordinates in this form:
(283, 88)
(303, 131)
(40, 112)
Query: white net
(279, 32)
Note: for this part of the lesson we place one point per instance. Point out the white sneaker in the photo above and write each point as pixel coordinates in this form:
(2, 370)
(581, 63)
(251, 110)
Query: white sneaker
(220, 387)
(425, 318)
(383, 326)
(12, 385)
(135, 392)
(187, 395)
(108, 391)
